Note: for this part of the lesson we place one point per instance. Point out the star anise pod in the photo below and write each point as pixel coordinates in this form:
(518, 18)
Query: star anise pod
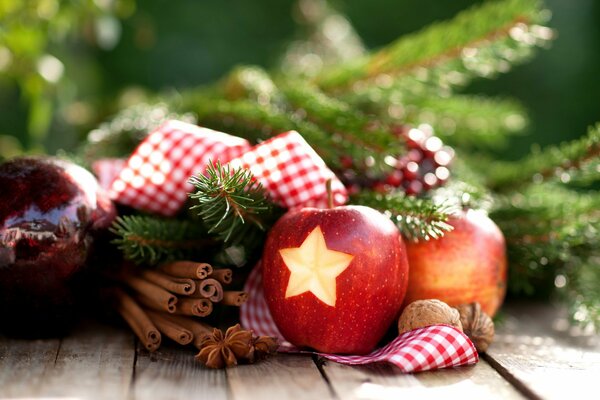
(264, 346)
(218, 350)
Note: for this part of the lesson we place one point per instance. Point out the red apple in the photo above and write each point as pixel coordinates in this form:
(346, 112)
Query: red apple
(51, 213)
(466, 265)
(335, 279)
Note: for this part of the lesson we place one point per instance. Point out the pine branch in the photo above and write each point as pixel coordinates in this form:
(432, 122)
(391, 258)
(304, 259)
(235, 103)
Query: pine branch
(152, 240)
(255, 122)
(481, 41)
(349, 124)
(230, 202)
(251, 83)
(549, 229)
(460, 120)
(579, 288)
(417, 219)
(555, 163)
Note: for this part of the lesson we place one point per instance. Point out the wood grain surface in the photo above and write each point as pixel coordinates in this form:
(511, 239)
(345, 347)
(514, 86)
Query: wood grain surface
(537, 354)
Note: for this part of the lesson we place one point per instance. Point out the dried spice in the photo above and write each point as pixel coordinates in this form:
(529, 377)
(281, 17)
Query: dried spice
(218, 350)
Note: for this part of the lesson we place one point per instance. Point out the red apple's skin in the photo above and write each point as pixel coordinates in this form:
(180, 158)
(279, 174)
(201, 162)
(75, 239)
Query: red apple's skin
(50, 213)
(466, 265)
(370, 291)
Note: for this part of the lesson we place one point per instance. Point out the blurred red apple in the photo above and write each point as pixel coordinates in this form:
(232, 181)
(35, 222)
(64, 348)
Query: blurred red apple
(335, 279)
(466, 265)
(50, 210)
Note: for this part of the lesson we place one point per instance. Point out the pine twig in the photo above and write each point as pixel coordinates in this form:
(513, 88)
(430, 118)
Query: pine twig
(368, 134)
(230, 202)
(417, 219)
(151, 240)
(553, 163)
(478, 42)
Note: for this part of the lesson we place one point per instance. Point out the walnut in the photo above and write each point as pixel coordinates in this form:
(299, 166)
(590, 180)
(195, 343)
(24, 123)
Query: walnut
(477, 325)
(422, 313)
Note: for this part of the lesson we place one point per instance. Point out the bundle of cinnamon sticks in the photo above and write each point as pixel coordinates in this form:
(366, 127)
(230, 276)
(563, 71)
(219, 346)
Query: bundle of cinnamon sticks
(167, 301)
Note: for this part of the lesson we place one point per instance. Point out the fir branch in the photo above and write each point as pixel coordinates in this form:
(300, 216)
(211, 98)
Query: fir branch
(256, 122)
(555, 163)
(230, 202)
(578, 287)
(483, 40)
(349, 124)
(460, 120)
(251, 83)
(152, 240)
(417, 219)
(549, 229)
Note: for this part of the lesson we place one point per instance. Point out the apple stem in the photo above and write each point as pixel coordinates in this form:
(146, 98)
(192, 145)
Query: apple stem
(329, 193)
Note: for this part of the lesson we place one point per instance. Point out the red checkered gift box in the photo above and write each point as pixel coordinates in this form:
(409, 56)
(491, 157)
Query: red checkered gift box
(433, 347)
(155, 178)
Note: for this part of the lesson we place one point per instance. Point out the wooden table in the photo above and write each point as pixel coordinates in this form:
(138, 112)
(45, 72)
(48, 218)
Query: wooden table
(536, 354)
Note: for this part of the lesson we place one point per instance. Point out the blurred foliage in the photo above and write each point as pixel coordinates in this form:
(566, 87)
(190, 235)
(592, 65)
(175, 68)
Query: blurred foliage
(111, 52)
(39, 41)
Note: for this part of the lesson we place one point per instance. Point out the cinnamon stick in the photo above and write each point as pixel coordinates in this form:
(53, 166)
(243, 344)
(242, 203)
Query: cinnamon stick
(187, 269)
(209, 289)
(138, 320)
(223, 275)
(234, 298)
(197, 307)
(183, 286)
(152, 293)
(157, 304)
(171, 329)
(198, 329)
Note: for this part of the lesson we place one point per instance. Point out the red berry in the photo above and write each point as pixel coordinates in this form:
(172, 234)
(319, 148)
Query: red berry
(414, 188)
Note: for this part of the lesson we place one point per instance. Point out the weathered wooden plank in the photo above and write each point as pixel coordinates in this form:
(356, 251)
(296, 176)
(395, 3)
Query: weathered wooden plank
(94, 362)
(383, 381)
(535, 347)
(282, 377)
(172, 373)
(24, 364)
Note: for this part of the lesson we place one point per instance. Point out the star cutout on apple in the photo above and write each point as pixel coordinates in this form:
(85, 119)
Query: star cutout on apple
(314, 268)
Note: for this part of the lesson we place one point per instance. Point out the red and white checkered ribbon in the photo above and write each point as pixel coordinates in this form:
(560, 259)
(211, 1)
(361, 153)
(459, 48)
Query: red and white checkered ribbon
(155, 177)
(433, 347)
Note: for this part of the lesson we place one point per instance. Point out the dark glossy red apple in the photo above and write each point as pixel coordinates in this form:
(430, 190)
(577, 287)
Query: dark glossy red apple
(467, 265)
(334, 279)
(49, 211)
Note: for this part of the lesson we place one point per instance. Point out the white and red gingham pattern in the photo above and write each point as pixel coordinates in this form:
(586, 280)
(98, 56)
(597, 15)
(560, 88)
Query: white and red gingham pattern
(107, 170)
(433, 347)
(155, 178)
(290, 170)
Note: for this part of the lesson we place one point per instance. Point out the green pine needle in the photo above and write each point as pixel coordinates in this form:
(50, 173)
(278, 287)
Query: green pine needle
(230, 202)
(481, 41)
(417, 219)
(555, 163)
(152, 240)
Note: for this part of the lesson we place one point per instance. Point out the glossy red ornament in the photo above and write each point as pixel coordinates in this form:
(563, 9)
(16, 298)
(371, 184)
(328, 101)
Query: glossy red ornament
(50, 210)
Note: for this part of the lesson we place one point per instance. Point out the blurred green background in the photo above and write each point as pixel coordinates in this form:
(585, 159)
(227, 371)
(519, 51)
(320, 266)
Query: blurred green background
(64, 68)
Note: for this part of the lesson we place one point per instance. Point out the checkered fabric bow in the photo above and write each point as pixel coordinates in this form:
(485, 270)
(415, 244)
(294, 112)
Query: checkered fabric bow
(155, 177)
(433, 347)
